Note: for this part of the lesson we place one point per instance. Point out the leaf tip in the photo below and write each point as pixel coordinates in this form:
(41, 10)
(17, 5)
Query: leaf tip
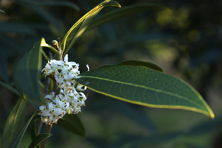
(112, 3)
(43, 41)
(210, 112)
(118, 5)
(212, 115)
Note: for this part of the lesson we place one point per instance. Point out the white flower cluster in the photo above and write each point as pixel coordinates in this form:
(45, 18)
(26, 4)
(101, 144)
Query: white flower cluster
(70, 98)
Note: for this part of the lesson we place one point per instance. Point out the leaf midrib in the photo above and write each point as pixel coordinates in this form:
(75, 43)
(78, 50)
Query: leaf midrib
(145, 87)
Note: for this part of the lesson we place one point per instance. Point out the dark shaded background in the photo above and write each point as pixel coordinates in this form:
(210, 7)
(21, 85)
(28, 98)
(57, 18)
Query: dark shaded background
(185, 40)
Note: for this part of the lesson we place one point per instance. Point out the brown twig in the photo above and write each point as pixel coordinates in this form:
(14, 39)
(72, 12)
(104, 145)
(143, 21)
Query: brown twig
(48, 129)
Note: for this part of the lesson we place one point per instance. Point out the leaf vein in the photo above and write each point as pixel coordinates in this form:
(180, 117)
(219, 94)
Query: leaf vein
(145, 87)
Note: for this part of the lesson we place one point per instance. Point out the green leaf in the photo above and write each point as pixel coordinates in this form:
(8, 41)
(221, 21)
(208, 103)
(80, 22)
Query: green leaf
(33, 129)
(72, 123)
(144, 86)
(81, 25)
(13, 123)
(26, 72)
(124, 12)
(38, 139)
(140, 63)
(16, 141)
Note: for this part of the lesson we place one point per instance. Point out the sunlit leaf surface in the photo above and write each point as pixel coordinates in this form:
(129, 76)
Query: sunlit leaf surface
(81, 25)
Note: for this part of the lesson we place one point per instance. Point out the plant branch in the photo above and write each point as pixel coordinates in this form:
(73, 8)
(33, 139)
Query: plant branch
(48, 129)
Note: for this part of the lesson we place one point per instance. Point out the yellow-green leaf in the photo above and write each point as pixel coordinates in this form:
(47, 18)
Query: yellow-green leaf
(81, 25)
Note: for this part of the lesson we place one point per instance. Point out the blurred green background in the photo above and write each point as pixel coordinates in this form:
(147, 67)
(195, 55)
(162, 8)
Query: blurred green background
(185, 40)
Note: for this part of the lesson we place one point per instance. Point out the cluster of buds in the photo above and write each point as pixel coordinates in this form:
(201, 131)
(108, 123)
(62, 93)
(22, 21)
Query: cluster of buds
(70, 97)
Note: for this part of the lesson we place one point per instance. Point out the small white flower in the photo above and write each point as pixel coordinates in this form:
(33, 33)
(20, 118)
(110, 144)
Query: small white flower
(80, 87)
(66, 58)
(50, 96)
(87, 66)
(57, 111)
(69, 100)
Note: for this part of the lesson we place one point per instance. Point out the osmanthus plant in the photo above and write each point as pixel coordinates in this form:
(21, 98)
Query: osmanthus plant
(62, 94)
